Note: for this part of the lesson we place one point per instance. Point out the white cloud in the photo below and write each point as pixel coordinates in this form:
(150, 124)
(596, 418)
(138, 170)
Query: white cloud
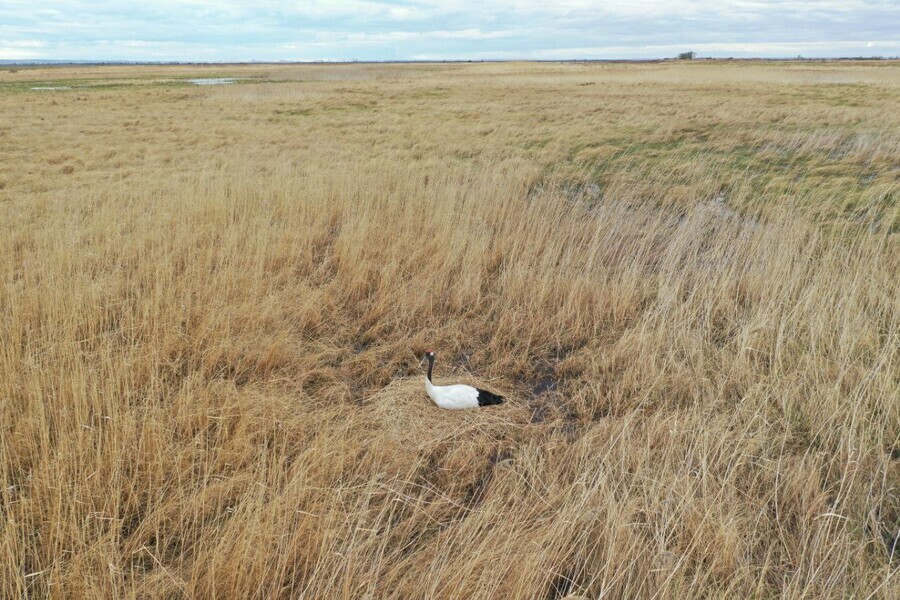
(405, 36)
(24, 44)
(20, 49)
(9, 53)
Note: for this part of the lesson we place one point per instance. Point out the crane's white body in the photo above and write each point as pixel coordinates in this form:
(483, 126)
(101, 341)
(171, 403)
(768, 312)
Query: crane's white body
(452, 397)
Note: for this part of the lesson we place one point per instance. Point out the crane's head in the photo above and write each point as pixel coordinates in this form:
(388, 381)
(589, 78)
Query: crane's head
(429, 356)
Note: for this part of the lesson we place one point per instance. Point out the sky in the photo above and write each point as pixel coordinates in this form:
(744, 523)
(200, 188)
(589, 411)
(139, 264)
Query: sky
(332, 30)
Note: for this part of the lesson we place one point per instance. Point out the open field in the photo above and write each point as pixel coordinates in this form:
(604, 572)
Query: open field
(683, 276)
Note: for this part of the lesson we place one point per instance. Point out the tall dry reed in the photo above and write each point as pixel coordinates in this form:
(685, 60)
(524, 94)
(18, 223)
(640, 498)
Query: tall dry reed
(209, 383)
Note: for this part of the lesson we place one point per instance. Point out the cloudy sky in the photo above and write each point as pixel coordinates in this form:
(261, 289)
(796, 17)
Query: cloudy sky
(243, 30)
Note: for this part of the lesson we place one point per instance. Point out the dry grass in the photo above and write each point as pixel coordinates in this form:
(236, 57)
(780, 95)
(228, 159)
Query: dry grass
(684, 278)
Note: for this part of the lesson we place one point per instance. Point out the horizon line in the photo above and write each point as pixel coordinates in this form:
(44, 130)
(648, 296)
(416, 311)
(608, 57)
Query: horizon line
(100, 62)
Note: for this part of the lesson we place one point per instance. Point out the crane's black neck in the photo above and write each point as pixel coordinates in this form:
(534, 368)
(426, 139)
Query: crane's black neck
(430, 366)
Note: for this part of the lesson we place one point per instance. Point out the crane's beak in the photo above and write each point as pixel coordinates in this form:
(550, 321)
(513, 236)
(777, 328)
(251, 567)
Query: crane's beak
(420, 363)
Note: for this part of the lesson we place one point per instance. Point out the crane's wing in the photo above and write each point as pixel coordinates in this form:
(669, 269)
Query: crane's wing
(486, 398)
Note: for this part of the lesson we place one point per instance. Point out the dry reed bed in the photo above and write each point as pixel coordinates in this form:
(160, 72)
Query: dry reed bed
(209, 388)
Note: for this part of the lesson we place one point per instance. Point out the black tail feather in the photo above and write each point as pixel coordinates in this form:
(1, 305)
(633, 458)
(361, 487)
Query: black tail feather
(486, 398)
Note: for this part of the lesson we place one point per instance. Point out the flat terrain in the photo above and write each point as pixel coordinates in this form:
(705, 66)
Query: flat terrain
(683, 277)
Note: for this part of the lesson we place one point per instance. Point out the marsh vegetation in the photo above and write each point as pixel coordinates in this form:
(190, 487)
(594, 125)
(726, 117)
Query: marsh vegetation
(683, 277)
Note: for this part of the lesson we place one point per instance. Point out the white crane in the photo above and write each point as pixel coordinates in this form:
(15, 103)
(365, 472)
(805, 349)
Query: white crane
(456, 397)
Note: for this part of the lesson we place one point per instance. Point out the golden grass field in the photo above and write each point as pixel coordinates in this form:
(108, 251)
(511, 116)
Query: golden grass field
(683, 277)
